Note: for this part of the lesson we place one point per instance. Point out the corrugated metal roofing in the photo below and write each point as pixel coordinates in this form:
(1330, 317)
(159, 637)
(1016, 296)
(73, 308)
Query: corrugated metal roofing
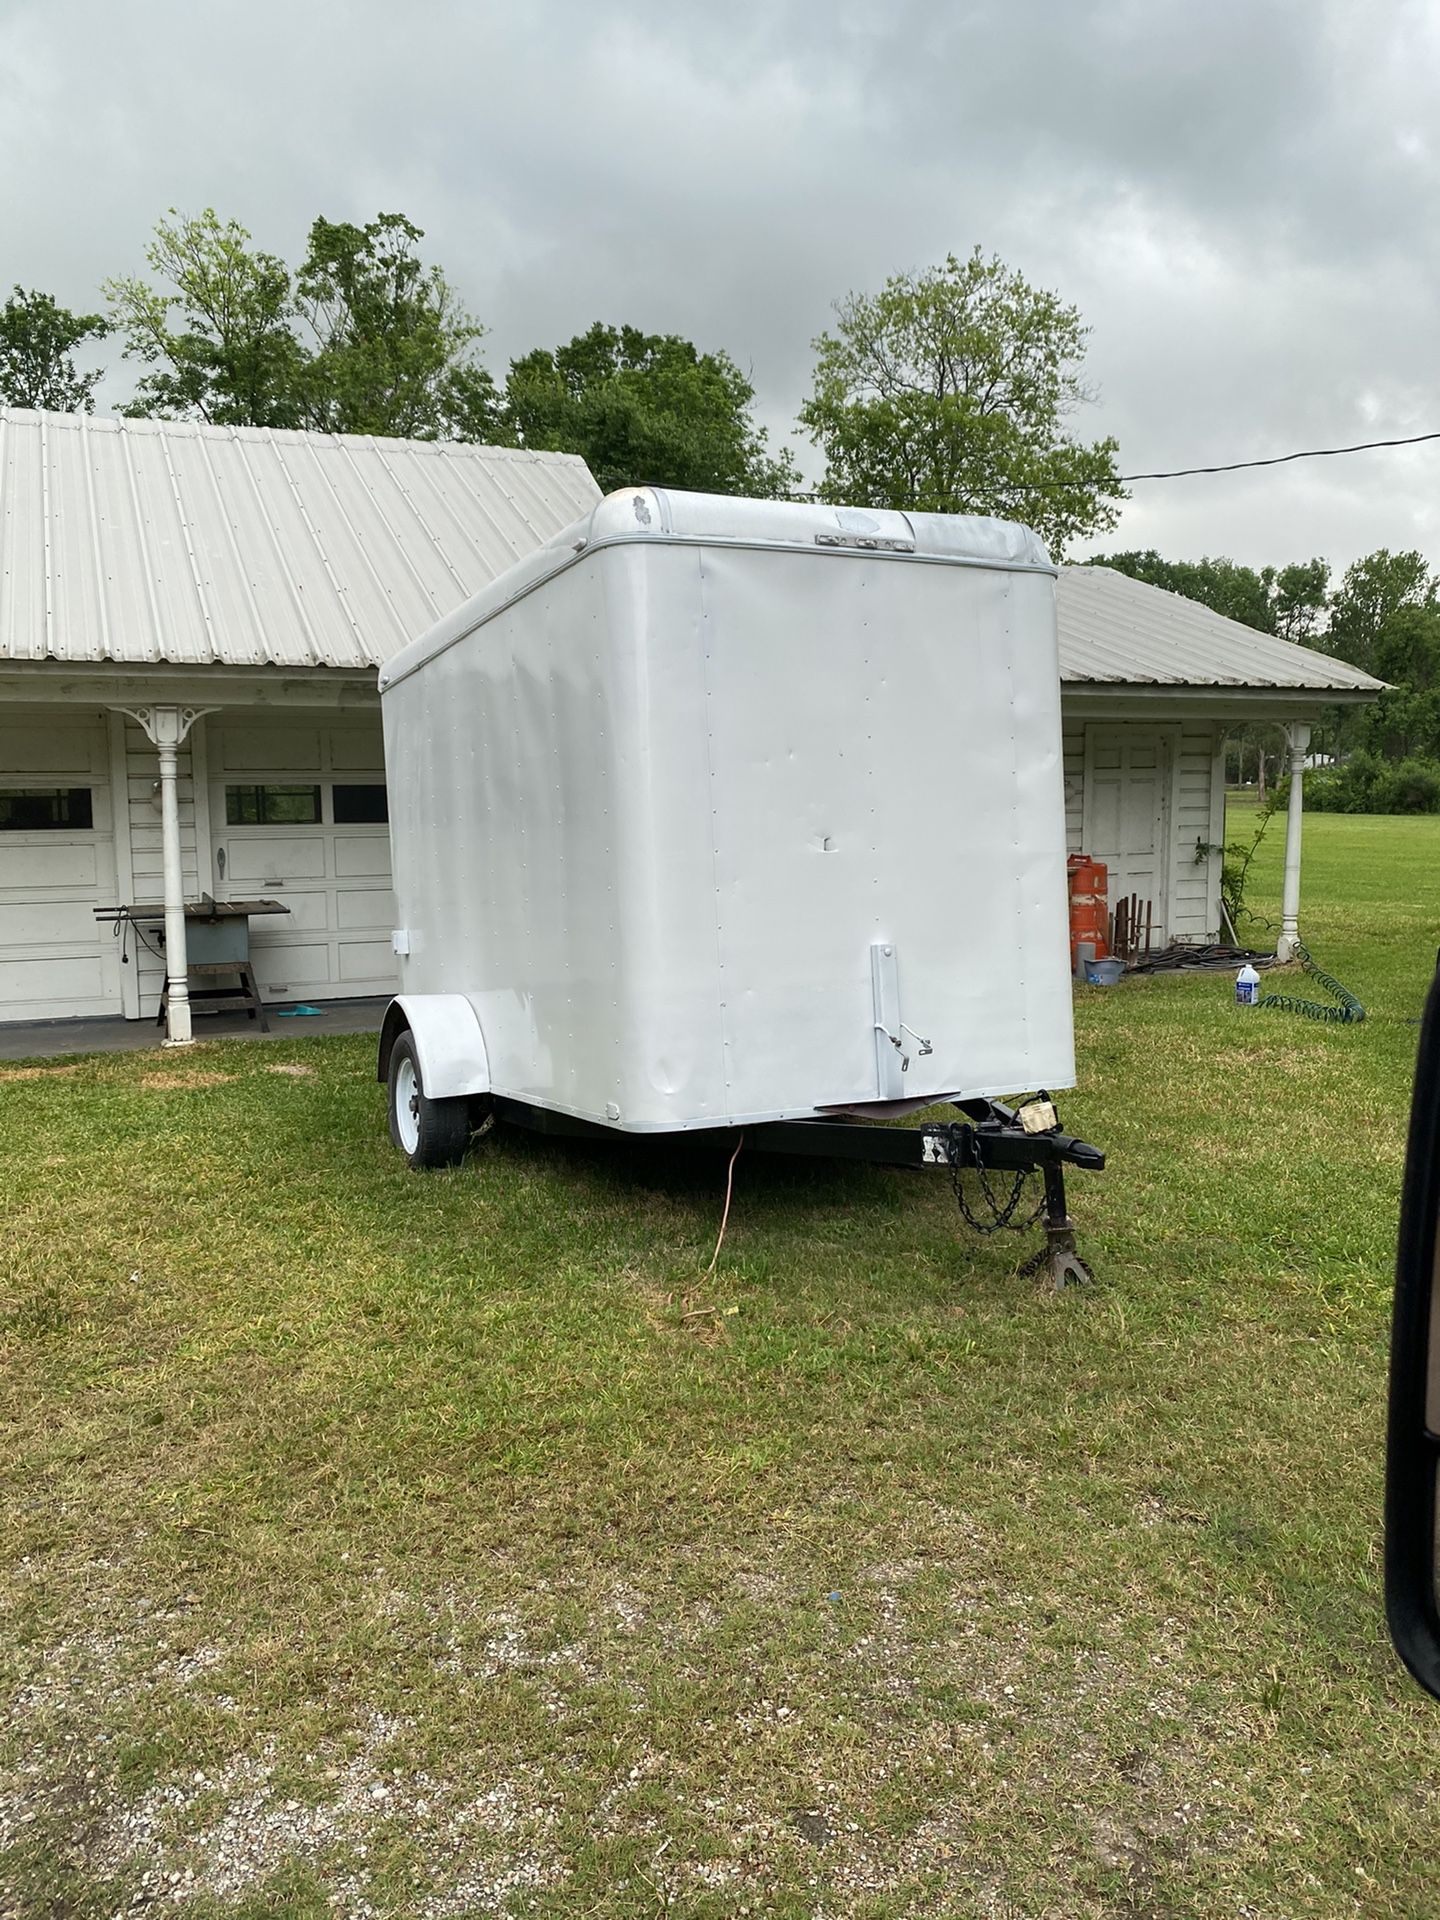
(1121, 631)
(142, 540)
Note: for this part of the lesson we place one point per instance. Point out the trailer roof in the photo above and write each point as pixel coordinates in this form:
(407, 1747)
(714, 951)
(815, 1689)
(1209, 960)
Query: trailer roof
(659, 516)
(639, 513)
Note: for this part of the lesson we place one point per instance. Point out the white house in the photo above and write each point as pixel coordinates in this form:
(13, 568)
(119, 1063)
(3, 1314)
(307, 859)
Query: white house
(191, 619)
(1151, 684)
(226, 593)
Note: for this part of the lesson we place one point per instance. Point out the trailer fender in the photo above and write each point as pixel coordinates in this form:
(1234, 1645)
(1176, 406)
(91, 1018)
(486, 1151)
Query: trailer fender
(448, 1043)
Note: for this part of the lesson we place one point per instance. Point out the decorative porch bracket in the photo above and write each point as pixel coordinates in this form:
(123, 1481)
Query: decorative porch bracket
(1297, 739)
(167, 729)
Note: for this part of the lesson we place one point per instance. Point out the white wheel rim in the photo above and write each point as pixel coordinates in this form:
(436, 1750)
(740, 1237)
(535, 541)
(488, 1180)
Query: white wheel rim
(407, 1105)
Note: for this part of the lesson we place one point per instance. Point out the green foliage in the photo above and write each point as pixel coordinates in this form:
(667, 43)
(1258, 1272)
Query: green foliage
(217, 332)
(394, 346)
(1298, 597)
(366, 339)
(1368, 783)
(645, 408)
(37, 340)
(1406, 720)
(947, 392)
(1371, 594)
(1385, 619)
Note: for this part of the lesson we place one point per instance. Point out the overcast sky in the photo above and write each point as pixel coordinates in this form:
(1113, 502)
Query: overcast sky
(1241, 196)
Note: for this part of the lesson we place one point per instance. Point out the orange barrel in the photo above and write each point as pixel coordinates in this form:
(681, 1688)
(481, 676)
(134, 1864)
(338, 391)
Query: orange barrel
(1089, 904)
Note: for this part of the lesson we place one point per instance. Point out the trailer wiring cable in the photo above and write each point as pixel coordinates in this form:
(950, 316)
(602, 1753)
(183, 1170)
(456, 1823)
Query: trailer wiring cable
(725, 1216)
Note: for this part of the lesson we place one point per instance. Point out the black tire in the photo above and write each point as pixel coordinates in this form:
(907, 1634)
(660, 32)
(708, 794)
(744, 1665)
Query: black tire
(433, 1133)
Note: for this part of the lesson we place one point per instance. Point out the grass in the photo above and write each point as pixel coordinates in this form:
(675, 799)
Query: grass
(451, 1546)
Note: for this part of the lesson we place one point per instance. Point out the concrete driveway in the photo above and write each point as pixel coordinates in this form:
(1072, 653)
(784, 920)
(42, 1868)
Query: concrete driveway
(43, 1039)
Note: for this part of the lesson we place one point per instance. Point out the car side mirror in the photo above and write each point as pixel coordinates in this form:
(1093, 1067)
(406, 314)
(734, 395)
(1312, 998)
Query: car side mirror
(1412, 1465)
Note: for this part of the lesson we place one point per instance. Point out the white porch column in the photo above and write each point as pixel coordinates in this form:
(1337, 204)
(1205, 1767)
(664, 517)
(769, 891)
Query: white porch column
(1297, 738)
(166, 729)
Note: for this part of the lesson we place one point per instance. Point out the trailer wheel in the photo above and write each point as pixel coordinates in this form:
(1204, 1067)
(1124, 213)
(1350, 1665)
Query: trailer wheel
(430, 1133)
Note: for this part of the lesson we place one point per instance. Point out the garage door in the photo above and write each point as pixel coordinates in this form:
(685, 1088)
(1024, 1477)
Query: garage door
(298, 815)
(57, 864)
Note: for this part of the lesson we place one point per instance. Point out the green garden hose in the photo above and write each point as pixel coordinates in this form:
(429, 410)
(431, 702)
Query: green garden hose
(1347, 1011)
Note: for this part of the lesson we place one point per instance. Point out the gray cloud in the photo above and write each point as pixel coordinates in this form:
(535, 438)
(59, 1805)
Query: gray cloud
(1237, 196)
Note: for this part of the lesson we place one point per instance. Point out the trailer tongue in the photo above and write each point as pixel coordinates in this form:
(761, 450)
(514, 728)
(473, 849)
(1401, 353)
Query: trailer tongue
(989, 1139)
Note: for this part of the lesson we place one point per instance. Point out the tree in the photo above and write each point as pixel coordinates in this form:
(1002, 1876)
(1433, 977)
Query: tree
(366, 339)
(646, 409)
(1406, 720)
(1299, 595)
(948, 391)
(234, 358)
(394, 348)
(37, 339)
(1385, 619)
(1372, 592)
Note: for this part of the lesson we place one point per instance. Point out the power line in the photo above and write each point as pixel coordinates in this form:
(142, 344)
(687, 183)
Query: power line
(1278, 459)
(1186, 473)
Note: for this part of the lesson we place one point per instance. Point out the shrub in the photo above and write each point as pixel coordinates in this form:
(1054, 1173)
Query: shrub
(1368, 784)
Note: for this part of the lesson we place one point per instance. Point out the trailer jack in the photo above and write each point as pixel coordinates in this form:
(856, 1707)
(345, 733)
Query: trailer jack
(1057, 1259)
(990, 1139)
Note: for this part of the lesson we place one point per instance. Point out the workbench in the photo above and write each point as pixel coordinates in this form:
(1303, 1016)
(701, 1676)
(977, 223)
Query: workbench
(217, 943)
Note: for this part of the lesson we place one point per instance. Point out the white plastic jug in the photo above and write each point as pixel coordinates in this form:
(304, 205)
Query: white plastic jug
(1247, 986)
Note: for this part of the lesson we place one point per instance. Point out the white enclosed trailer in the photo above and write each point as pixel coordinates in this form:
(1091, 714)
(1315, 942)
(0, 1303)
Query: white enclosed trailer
(722, 813)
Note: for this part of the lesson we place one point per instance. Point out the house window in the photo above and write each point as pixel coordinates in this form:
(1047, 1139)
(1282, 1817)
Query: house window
(45, 809)
(360, 806)
(272, 806)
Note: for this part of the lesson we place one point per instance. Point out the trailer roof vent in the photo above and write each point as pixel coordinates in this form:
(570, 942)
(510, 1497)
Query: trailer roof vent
(867, 542)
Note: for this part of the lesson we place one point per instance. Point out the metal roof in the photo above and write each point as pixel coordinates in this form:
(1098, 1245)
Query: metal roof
(145, 540)
(1122, 632)
(137, 541)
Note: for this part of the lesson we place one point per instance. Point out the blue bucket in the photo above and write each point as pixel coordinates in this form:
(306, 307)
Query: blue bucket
(1104, 973)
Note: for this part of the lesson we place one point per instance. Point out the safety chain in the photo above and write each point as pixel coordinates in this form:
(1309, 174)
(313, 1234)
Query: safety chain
(959, 1137)
(1347, 1011)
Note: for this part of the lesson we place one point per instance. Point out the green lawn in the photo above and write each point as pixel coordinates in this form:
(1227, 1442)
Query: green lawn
(447, 1546)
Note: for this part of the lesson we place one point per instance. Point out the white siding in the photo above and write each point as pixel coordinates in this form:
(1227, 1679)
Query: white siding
(1074, 762)
(1194, 909)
